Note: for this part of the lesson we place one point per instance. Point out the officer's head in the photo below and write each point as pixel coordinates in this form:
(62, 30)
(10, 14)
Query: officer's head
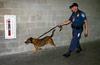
(74, 7)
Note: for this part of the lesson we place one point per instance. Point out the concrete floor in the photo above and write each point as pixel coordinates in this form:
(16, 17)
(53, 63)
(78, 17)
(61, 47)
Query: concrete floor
(89, 56)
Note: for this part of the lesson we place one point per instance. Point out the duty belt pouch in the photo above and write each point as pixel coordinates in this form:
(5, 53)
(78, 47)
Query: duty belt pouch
(72, 26)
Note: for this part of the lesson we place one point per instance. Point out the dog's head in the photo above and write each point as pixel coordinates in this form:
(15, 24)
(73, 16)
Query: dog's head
(29, 40)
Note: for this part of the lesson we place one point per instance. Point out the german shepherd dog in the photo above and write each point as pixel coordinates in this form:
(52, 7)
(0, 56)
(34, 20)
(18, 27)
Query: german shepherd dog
(41, 42)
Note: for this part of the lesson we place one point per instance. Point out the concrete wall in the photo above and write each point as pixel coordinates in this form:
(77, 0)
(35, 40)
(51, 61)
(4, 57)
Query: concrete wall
(34, 17)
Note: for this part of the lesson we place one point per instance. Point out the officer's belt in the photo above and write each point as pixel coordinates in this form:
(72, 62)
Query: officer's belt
(77, 27)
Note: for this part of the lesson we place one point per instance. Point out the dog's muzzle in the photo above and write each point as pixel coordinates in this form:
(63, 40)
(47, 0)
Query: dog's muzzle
(26, 42)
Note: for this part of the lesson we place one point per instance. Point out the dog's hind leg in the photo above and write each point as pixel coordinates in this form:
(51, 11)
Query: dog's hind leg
(45, 47)
(52, 43)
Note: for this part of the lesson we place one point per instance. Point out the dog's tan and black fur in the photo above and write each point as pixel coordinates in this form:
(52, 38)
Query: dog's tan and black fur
(41, 42)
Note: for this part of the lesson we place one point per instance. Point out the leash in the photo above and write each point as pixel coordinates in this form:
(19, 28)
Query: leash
(51, 30)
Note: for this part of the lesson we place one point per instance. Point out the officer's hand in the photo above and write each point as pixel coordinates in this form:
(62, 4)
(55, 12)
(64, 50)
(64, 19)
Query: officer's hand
(59, 25)
(86, 33)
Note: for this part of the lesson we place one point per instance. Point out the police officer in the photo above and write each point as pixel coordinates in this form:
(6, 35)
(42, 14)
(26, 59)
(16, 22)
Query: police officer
(78, 18)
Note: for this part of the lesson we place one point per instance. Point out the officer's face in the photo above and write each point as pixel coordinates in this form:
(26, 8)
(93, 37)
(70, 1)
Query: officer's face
(74, 9)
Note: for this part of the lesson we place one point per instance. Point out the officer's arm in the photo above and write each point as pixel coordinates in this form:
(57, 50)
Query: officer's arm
(86, 27)
(65, 23)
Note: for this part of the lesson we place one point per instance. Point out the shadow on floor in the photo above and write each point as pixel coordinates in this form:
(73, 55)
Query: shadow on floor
(89, 56)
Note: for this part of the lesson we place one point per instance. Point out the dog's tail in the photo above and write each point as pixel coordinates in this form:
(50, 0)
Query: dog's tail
(52, 33)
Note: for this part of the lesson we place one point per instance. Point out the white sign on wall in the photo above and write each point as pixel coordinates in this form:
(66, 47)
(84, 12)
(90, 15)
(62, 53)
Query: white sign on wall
(10, 26)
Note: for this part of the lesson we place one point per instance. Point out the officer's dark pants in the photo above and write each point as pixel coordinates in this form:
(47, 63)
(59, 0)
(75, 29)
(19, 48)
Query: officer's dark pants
(75, 42)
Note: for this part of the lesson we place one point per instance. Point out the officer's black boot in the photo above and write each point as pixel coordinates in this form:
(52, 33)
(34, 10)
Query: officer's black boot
(67, 54)
(79, 50)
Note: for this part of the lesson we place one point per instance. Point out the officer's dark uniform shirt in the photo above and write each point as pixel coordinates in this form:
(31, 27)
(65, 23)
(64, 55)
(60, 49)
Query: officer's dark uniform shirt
(78, 18)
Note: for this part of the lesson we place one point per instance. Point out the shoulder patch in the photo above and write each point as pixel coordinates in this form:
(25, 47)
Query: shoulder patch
(83, 15)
